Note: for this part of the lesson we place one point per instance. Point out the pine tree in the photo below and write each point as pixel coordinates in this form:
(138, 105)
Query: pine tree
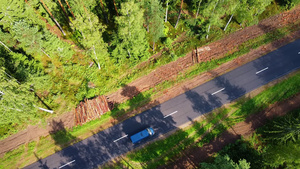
(279, 155)
(116, 8)
(287, 129)
(30, 38)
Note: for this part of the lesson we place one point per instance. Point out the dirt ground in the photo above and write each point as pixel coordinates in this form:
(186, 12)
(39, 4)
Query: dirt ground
(192, 157)
(170, 71)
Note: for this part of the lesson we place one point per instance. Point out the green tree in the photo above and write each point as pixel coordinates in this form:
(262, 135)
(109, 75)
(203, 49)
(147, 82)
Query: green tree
(248, 11)
(16, 101)
(156, 23)
(91, 36)
(130, 41)
(225, 162)
(179, 14)
(213, 10)
(12, 11)
(231, 7)
(30, 38)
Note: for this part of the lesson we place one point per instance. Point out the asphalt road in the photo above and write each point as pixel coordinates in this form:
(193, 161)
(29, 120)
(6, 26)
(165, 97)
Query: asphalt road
(115, 141)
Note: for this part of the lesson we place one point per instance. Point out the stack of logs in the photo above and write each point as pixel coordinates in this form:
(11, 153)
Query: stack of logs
(196, 54)
(90, 109)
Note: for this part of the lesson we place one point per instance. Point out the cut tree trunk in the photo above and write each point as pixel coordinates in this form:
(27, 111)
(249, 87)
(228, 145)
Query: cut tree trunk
(46, 110)
(58, 25)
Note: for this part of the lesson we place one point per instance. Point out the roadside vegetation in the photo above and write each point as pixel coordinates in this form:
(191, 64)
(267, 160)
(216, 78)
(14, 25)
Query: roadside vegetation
(268, 147)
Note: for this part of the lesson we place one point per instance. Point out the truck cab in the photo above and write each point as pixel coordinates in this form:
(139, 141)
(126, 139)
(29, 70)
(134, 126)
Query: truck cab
(142, 135)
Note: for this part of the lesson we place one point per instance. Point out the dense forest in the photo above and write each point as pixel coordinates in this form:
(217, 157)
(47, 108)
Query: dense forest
(55, 53)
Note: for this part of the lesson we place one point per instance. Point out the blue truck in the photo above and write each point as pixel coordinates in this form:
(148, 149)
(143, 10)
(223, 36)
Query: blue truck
(142, 135)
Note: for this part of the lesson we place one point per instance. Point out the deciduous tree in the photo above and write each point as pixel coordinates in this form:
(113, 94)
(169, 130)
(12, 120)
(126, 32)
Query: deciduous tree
(130, 41)
(91, 30)
(156, 24)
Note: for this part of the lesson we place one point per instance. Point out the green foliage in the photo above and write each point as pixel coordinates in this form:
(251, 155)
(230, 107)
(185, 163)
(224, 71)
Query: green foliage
(16, 104)
(263, 153)
(155, 17)
(243, 150)
(288, 4)
(226, 163)
(30, 38)
(248, 11)
(91, 31)
(284, 130)
(281, 149)
(283, 155)
(130, 41)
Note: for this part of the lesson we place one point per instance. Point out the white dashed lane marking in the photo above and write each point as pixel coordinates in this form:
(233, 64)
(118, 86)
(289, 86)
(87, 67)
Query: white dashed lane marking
(218, 91)
(67, 164)
(120, 138)
(262, 70)
(170, 114)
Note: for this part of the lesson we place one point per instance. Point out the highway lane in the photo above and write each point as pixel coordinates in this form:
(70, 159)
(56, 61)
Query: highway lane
(167, 116)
